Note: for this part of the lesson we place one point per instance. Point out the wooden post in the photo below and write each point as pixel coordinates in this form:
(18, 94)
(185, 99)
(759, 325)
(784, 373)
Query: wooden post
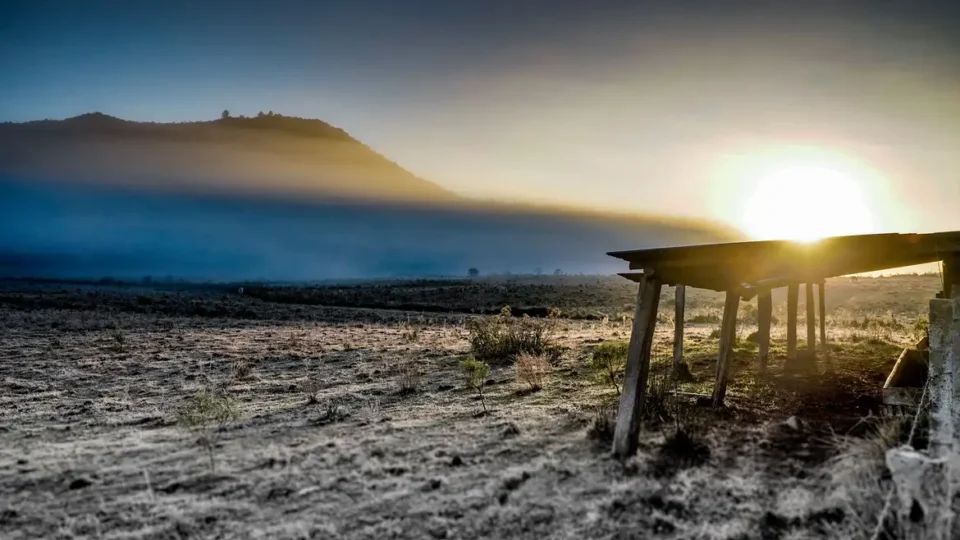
(951, 274)
(811, 322)
(764, 319)
(680, 300)
(638, 368)
(793, 296)
(823, 315)
(727, 334)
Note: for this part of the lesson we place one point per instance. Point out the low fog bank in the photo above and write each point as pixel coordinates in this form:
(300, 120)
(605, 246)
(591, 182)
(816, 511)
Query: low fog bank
(57, 230)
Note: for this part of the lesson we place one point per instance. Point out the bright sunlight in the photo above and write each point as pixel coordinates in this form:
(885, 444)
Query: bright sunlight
(806, 202)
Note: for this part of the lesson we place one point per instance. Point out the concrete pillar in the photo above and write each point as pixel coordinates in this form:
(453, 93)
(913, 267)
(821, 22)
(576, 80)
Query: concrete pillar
(944, 377)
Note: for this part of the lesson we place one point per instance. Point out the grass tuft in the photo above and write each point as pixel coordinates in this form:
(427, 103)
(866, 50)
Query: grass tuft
(532, 370)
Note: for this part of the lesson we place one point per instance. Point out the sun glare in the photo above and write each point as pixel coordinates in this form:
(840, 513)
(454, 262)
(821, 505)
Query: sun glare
(805, 202)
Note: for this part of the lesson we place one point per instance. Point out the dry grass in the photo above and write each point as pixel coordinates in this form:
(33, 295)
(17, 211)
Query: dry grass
(504, 337)
(532, 370)
(90, 446)
(408, 375)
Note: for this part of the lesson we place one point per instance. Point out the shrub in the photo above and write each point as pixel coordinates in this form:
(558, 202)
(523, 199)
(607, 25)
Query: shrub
(411, 334)
(311, 390)
(504, 337)
(331, 411)
(603, 425)
(608, 363)
(370, 411)
(657, 400)
(475, 374)
(921, 327)
(680, 450)
(408, 376)
(242, 370)
(204, 414)
(532, 369)
(119, 340)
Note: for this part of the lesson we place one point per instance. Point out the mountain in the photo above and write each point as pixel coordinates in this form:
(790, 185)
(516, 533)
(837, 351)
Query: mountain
(273, 198)
(266, 153)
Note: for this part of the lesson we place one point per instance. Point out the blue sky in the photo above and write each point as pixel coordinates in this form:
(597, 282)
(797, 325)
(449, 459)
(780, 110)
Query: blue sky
(628, 105)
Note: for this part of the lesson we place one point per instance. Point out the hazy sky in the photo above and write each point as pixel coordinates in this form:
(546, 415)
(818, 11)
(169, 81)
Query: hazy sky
(671, 107)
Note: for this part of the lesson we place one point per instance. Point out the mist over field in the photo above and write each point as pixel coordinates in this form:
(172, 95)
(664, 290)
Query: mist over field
(75, 230)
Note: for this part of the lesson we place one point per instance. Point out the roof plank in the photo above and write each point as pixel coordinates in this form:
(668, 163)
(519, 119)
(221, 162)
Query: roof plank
(736, 264)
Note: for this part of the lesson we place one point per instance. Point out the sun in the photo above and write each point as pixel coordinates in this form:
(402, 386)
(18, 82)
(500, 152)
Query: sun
(805, 202)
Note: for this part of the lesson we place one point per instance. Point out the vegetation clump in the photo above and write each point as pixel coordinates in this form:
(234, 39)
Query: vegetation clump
(603, 424)
(608, 362)
(311, 390)
(475, 373)
(408, 376)
(504, 337)
(204, 414)
(532, 370)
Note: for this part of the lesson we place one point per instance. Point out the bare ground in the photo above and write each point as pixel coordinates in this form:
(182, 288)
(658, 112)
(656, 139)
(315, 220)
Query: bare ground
(90, 382)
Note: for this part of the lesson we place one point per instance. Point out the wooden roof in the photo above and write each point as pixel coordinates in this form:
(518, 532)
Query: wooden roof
(776, 263)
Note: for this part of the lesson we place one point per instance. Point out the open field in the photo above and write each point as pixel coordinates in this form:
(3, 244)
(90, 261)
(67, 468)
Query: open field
(354, 422)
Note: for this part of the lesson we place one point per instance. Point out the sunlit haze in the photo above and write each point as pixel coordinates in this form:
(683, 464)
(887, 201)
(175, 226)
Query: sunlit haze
(806, 202)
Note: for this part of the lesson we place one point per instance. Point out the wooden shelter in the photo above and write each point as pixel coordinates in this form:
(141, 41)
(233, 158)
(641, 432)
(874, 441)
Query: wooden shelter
(745, 270)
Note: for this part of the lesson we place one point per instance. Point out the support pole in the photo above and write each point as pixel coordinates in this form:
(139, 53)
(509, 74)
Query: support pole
(811, 323)
(793, 294)
(764, 320)
(679, 304)
(727, 333)
(823, 315)
(638, 368)
(944, 370)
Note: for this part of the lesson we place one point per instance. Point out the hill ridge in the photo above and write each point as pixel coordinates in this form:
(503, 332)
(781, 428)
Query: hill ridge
(263, 152)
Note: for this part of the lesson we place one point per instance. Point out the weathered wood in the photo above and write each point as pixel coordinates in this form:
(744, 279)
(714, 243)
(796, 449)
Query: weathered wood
(636, 277)
(764, 319)
(679, 304)
(951, 275)
(728, 331)
(902, 397)
(697, 395)
(725, 266)
(823, 314)
(626, 435)
(793, 297)
(811, 322)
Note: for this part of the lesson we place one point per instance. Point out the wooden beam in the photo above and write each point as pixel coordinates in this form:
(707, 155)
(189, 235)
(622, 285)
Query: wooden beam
(951, 274)
(625, 437)
(793, 297)
(679, 304)
(636, 277)
(728, 331)
(764, 320)
(823, 314)
(811, 321)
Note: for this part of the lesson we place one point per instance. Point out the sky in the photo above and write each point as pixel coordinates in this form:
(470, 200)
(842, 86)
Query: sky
(681, 108)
